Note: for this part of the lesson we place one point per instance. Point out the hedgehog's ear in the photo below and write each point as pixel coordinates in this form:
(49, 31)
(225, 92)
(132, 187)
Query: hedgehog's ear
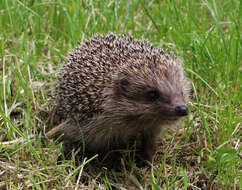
(124, 84)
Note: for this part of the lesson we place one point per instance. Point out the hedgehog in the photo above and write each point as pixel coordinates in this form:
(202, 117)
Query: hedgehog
(114, 90)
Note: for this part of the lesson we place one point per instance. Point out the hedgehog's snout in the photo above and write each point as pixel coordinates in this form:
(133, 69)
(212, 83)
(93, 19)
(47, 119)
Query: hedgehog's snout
(181, 110)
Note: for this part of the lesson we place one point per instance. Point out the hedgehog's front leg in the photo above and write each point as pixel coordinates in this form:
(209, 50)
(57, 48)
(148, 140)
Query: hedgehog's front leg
(148, 146)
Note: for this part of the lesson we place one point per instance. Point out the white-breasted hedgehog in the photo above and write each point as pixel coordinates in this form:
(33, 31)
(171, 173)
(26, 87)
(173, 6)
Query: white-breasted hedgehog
(116, 89)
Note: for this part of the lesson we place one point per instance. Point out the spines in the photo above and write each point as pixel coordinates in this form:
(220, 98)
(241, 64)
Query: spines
(94, 65)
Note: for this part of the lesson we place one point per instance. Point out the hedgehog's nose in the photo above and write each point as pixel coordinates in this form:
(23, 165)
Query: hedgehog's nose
(181, 110)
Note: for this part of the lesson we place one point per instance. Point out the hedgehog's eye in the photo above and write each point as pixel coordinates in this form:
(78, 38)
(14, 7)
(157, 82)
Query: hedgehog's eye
(152, 95)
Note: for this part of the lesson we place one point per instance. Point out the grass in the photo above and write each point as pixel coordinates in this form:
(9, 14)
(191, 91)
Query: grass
(35, 38)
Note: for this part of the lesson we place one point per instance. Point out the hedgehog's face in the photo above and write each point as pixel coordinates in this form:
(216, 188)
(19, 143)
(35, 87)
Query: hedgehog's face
(161, 92)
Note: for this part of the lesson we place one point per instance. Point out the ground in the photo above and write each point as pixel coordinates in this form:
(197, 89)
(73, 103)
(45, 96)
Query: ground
(35, 38)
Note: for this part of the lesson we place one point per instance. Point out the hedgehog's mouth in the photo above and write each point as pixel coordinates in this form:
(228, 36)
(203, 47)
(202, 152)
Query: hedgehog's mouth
(173, 118)
(170, 118)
